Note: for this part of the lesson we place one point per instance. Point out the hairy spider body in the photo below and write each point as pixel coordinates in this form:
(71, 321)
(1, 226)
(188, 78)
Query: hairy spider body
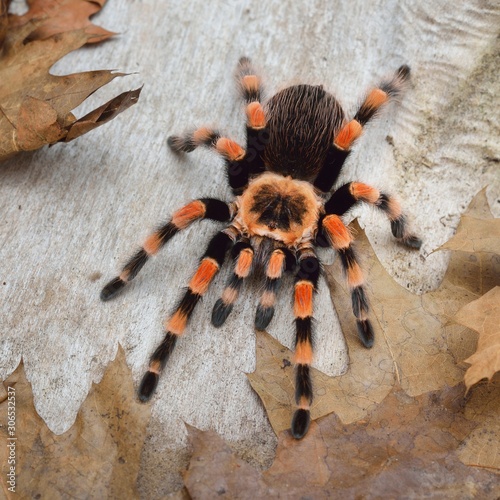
(297, 143)
(301, 121)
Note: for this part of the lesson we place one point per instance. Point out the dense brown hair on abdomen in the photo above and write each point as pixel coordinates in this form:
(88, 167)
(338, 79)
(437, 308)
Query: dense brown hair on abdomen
(301, 121)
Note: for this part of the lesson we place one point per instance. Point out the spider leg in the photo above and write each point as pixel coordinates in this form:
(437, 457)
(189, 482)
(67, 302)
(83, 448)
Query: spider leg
(347, 135)
(250, 86)
(240, 163)
(280, 260)
(243, 256)
(340, 238)
(348, 195)
(305, 286)
(249, 83)
(210, 264)
(204, 208)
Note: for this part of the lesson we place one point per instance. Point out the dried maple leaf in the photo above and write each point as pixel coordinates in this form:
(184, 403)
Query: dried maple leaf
(35, 106)
(482, 315)
(97, 458)
(61, 16)
(405, 447)
(415, 347)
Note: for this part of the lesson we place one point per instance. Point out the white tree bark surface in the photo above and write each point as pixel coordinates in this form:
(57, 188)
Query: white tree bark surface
(72, 214)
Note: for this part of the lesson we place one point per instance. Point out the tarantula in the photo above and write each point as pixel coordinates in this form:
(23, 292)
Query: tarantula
(297, 143)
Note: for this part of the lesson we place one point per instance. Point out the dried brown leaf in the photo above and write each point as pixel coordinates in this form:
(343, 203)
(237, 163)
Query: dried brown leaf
(35, 106)
(414, 344)
(480, 448)
(483, 315)
(101, 115)
(406, 447)
(212, 457)
(61, 16)
(4, 20)
(97, 458)
(475, 235)
(468, 277)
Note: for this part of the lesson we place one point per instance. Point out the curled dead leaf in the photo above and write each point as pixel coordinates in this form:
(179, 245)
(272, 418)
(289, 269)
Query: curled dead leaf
(101, 115)
(35, 106)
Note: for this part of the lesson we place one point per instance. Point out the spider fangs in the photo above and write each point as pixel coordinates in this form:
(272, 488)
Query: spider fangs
(297, 144)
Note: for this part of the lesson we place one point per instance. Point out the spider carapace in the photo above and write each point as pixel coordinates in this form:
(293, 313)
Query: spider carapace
(284, 206)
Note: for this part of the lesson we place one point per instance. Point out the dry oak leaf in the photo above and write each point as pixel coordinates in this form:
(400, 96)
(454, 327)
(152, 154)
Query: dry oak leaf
(405, 448)
(475, 235)
(35, 106)
(415, 345)
(63, 15)
(483, 316)
(97, 458)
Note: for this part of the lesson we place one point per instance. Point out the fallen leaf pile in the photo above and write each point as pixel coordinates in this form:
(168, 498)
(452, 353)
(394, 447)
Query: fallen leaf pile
(35, 106)
(399, 424)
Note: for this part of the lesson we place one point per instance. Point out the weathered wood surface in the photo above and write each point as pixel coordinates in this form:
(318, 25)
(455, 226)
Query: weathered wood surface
(71, 214)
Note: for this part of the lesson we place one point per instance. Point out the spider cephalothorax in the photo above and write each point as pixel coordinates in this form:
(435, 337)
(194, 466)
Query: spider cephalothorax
(297, 143)
(280, 208)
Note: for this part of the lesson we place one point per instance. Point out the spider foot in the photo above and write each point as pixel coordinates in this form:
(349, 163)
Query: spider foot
(220, 312)
(112, 289)
(148, 386)
(411, 241)
(365, 332)
(300, 423)
(181, 144)
(263, 316)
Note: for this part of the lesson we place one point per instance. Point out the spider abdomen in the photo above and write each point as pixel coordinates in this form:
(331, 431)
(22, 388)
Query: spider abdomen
(301, 122)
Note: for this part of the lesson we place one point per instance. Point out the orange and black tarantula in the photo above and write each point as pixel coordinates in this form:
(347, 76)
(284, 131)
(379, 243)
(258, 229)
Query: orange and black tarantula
(297, 144)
